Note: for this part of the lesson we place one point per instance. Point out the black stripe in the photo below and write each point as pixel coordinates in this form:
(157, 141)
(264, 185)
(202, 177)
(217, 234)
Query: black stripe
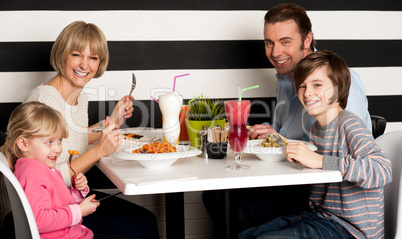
(386, 106)
(154, 55)
(390, 5)
(147, 113)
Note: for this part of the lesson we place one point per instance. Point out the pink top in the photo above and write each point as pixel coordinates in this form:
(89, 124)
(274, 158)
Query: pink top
(55, 207)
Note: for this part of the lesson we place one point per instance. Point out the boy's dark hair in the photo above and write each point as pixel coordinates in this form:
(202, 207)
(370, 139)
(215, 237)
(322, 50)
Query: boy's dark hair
(337, 70)
(289, 11)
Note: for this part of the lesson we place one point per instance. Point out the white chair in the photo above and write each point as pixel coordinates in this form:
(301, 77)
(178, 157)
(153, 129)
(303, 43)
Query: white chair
(391, 144)
(24, 220)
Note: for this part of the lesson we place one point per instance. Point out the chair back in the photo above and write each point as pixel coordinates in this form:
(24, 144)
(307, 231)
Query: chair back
(24, 220)
(378, 124)
(391, 144)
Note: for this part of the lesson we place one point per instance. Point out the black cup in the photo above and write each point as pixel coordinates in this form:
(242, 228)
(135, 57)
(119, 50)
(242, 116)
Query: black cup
(217, 150)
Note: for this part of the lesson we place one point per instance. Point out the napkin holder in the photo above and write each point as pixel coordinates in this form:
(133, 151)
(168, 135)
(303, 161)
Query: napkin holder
(217, 143)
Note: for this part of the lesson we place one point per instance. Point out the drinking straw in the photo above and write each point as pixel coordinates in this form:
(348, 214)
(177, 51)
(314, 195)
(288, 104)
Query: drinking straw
(249, 88)
(155, 99)
(189, 102)
(174, 81)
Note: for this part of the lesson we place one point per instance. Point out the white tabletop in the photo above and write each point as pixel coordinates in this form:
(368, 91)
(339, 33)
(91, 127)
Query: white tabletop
(197, 174)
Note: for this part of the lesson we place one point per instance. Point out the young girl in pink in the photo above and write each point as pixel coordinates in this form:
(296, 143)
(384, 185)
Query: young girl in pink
(34, 141)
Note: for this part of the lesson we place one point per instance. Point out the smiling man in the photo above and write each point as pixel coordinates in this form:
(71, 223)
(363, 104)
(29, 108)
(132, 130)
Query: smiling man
(288, 39)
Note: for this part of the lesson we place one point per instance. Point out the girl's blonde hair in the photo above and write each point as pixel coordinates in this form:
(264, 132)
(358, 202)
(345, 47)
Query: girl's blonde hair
(75, 37)
(28, 120)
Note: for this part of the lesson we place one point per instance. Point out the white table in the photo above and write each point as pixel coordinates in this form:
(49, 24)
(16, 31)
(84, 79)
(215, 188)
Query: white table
(196, 174)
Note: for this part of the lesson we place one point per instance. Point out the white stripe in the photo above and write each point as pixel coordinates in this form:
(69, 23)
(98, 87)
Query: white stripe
(381, 80)
(357, 25)
(212, 83)
(193, 25)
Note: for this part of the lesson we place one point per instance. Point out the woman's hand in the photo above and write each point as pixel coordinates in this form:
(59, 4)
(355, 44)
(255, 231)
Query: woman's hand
(80, 182)
(299, 152)
(89, 205)
(123, 110)
(260, 131)
(109, 140)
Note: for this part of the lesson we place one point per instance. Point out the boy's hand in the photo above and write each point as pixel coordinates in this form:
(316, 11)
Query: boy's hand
(80, 182)
(260, 131)
(89, 205)
(300, 152)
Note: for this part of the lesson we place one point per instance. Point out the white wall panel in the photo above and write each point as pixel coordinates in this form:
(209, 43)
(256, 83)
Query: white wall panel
(193, 25)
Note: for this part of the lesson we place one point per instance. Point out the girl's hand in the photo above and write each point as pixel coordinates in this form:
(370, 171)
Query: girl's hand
(89, 205)
(109, 140)
(80, 182)
(299, 152)
(123, 110)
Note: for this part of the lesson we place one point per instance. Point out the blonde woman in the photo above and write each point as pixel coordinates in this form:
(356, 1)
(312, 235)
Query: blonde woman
(79, 54)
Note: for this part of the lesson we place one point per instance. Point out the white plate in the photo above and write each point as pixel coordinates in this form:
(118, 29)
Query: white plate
(148, 134)
(160, 160)
(270, 153)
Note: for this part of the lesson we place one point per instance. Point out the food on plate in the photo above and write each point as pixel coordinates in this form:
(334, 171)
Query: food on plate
(155, 147)
(269, 142)
(127, 136)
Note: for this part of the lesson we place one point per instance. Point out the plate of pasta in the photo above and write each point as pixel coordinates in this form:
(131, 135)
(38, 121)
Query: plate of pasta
(270, 151)
(155, 155)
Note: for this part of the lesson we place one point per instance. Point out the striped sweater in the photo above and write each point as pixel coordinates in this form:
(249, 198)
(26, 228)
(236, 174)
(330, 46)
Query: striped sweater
(357, 203)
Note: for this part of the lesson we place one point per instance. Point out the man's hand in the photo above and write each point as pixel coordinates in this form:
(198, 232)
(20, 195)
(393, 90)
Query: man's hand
(260, 131)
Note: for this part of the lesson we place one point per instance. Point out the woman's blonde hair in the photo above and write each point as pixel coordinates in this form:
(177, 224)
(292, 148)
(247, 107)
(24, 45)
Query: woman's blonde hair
(28, 120)
(75, 37)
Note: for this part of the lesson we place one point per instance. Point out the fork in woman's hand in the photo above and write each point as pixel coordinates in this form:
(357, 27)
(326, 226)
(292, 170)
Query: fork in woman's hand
(133, 85)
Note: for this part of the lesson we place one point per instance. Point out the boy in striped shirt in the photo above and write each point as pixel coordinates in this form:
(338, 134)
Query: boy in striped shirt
(353, 208)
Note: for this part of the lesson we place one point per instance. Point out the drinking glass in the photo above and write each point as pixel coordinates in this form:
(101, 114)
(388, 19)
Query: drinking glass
(170, 106)
(237, 112)
(183, 137)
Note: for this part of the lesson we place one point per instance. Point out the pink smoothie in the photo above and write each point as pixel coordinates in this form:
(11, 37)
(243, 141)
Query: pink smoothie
(237, 113)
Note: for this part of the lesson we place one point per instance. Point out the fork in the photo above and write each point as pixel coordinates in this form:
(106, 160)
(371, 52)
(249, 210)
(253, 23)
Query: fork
(108, 196)
(133, 84)
(69, 161)
(278, 140)
(72, 153)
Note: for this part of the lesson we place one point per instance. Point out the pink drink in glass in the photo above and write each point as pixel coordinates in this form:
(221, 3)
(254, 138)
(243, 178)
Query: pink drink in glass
(238, 137)
(237, 112)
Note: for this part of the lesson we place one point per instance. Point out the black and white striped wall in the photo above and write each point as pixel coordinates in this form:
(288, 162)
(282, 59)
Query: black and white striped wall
(219, 42)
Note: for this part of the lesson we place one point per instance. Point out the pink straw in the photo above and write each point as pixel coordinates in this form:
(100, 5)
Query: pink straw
(174, 81)
(155, 99)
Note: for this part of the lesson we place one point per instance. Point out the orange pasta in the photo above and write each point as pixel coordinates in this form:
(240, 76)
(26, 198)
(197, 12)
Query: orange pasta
(156, 147)
(73, 152)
